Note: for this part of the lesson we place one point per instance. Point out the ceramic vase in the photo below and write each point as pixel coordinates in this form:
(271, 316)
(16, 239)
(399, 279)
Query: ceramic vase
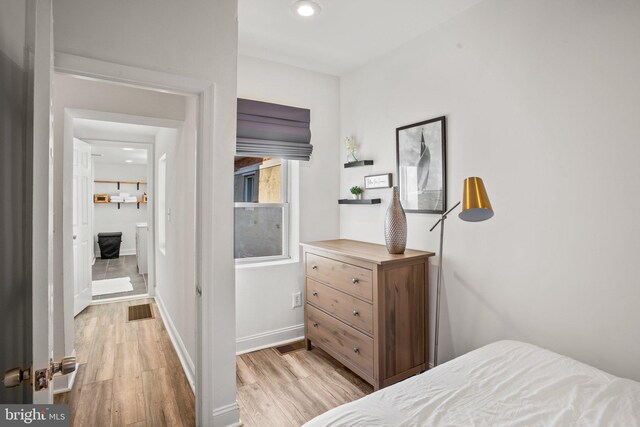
(395, 225)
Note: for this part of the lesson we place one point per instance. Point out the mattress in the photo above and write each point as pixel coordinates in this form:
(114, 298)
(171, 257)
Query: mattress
(507, 383)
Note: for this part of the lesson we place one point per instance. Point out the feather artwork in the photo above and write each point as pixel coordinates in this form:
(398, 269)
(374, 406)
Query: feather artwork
(423, 165)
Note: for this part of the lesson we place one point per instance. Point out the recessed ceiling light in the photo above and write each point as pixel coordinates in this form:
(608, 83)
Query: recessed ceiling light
(127, 149)
(129, 161)
(306, 8)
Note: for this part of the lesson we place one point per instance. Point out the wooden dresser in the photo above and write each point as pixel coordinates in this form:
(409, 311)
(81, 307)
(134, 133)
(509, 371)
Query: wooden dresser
(368, 308)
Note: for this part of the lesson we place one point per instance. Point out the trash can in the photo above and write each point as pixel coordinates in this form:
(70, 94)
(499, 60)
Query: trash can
(109, 245)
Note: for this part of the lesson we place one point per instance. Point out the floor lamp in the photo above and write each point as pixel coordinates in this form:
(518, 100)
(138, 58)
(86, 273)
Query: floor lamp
(475, 208)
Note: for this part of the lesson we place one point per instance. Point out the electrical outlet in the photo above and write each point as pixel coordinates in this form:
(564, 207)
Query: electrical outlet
(296, 299)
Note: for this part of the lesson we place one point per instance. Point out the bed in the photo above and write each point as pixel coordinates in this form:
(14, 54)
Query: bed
(507, 383)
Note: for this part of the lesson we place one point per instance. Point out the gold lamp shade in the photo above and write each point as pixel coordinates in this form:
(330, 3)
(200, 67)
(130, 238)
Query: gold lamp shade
(476, 206)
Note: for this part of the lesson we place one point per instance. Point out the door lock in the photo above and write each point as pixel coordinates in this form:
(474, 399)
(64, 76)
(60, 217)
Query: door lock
(66, 366)
(14, 377)
(43, 376)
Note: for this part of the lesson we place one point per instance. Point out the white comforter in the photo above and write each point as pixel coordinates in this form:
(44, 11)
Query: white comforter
(507, 383)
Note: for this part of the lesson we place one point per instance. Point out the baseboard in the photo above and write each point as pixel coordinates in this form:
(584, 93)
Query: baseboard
(123, 252)
(269, 339)
(119, 299)
(185, 360)
(227, 415)
(64, 383)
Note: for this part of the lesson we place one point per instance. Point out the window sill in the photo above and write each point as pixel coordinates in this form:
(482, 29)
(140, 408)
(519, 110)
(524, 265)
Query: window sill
(258, 264)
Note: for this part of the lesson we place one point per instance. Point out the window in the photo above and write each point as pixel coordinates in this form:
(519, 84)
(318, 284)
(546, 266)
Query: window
(162, 203)
(261, 226)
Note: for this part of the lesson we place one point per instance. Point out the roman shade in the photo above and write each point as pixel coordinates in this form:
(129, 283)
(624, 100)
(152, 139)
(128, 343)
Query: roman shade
(272, 130)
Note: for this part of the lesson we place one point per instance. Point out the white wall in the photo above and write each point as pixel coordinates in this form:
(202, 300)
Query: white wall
(542, 101)
(106, 216)
(263, 293)
(176, 266)
(75, 93)
(198, 40)
(12, 30)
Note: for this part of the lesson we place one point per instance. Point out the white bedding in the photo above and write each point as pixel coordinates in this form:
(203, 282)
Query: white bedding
(507, 383)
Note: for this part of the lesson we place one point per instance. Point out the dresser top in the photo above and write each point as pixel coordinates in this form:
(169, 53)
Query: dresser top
(365, 251)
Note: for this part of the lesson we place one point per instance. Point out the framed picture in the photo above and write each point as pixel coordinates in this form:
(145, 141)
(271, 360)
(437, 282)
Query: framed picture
(421, 160)
(377, 181)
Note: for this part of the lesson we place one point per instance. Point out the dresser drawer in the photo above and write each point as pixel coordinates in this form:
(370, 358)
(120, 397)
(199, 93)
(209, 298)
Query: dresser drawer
(330, 333)
(351, 310)
(353, 280)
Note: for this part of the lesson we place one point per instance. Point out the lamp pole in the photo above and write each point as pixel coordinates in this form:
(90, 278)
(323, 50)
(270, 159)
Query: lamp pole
(439, 286)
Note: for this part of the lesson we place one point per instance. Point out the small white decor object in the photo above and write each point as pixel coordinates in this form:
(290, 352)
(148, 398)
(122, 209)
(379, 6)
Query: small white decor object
(351, 146)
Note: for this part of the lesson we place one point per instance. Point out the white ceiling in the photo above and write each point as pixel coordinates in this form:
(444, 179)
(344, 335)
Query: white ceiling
(113, 131)
(110, 152)
(344, 36)
(115, 142)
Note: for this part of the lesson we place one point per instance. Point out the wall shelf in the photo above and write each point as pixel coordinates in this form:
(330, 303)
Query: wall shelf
(136, 183)
(359, 201)
(358, 163)
(138, 203)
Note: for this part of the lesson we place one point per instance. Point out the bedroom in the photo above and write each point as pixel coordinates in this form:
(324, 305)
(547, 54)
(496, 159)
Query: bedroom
(540, 101)
(525, 88)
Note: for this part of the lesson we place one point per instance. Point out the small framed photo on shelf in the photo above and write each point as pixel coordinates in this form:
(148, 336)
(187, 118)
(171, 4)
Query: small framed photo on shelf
(383, 180)
(421, 155)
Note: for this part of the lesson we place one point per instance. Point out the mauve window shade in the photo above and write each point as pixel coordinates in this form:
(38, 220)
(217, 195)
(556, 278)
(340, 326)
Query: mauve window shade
(272, 130)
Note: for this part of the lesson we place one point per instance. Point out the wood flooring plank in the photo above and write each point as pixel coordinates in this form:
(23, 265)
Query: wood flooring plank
(100, 364)
(85, 335)
(72, 398)
(265, 365)
(112, 386)
(298, 386)
(152, 356)
(128, 396)
(160, 405)
(293, 363)
(183, 395)
(94, 405)
(262, 408)
(341, 390)
(245, 415)
(364, 387)
(132, 376)
(243, 373)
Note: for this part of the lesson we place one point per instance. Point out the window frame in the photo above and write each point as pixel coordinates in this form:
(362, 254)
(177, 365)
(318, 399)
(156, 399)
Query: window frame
(285, 204)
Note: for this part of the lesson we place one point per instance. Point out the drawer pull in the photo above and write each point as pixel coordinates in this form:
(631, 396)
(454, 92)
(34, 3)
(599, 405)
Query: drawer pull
(356, 350)
(314, 293)
(356, 313)
(315, 324)
(314, 267)
(355, 281)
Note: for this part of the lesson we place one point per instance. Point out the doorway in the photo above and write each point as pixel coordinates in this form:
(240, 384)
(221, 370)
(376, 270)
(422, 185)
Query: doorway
(141, 251)
(121, 206)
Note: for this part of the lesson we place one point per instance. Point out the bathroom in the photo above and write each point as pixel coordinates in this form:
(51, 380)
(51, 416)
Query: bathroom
(120, 220)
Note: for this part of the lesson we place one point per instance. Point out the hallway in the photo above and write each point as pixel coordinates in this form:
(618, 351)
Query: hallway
(129, 372)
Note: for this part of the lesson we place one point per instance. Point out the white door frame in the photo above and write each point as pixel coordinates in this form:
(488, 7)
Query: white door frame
(214, 380)
(40, 50)
(72, 113)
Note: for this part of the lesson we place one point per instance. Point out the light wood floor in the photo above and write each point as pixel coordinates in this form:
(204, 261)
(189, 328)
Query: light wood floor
(129, 373)
(288, 390)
